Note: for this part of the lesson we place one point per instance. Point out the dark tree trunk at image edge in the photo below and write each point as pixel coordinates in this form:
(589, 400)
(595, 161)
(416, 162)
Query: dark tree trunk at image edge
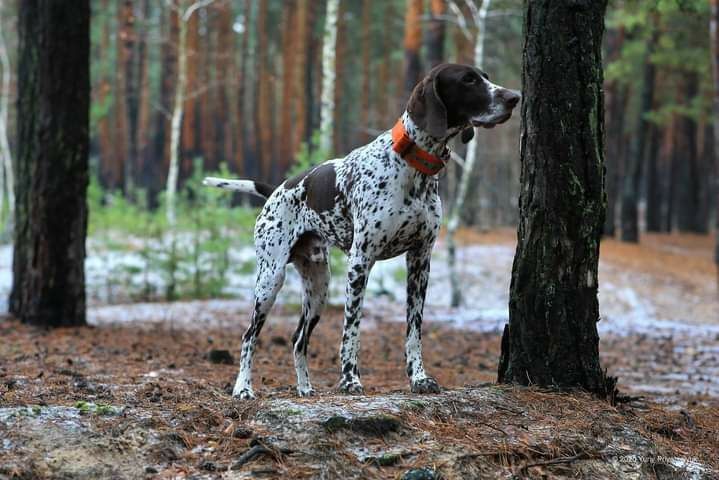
(551, 338)
(52, 167)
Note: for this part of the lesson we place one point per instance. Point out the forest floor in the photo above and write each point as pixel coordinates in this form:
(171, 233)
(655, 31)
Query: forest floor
(136, 394)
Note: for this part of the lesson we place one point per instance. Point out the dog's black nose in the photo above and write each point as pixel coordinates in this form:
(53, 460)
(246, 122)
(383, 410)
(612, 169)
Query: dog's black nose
(512, 98)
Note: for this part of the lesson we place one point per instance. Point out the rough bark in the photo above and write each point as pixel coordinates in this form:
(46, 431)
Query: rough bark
(633, 171)
(551, 338)
(52, 175)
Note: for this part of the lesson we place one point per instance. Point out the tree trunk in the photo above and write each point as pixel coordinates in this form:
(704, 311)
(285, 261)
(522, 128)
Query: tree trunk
(616, 96)
(177, 114)
(264, 94)
(52, 176)
(327, 98)
(714, 24)
(480, 21)
(435, 33)
(412, 44)
(121, 137)
(633, 171)
(654, 182)
(363, 135)
(7, 177)
(689, 195)
(344, 105)
(551, 338)
(289, 69)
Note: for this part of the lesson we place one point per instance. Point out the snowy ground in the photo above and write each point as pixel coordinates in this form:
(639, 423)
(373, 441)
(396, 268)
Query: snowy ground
(668, 319)
(630, 301)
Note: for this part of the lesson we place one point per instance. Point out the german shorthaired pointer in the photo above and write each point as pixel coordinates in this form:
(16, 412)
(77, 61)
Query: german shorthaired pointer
(378, 202)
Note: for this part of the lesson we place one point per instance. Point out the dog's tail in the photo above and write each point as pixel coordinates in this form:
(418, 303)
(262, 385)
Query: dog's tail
(260, 189)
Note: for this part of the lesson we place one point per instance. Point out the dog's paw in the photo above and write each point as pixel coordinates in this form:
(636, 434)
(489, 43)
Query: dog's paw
(426, 385)
(306, 392)
(243, 394)
(351, 386)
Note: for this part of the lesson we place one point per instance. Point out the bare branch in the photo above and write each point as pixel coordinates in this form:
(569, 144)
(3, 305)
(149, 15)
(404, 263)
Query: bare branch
(457, 159)
(194, 7)
(460, 20)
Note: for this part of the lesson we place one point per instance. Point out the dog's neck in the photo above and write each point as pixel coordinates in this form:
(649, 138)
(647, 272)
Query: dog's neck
(433, 145)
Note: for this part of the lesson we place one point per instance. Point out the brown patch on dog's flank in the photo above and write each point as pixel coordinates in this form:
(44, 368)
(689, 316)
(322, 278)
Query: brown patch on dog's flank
(321, 188)
(294, 181)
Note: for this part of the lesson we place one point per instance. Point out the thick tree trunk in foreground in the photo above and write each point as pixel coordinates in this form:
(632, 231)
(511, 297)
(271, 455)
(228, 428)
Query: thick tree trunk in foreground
(551, 338)
(51, 184)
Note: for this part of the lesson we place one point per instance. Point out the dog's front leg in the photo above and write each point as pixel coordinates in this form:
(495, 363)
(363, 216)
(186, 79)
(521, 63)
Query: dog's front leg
(358, 267)
(417, 279)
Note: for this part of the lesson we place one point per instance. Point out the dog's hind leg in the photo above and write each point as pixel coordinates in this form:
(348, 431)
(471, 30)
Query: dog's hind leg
(315, 275)
(270, 276)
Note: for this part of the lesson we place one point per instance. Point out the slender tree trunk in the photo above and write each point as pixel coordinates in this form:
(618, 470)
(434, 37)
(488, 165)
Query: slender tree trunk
(689, 198)
(616, 96)
(343, 104)
(52, 176)
(435, 33)
(412, 44)
(327, 98)
(177, 114)
(190, 111)
(365, 113)
(264, 94)
(289, 73)
(480, 20)
(714, 29)
(551, 338)
(384, 99)
(654, 182)
(633, 171)
(121, 136)
(7, 179)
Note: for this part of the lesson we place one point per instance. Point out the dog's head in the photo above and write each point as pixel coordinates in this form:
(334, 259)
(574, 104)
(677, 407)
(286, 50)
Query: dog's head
(455, 96)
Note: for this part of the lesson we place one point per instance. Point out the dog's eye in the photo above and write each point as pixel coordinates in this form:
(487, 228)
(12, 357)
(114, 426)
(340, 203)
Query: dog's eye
(469, 79)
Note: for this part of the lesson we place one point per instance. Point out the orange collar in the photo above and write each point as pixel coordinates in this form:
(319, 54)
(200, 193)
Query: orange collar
(417, 158)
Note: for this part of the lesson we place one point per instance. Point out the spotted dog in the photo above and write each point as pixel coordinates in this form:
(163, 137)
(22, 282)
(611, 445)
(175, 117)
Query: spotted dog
(378, 202)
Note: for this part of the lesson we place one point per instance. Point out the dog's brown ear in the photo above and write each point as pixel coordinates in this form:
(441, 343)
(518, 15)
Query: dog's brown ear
(427, 108)
(467, 134)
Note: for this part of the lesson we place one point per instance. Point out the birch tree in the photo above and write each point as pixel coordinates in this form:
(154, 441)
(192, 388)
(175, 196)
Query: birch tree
(479, 18)
(7, 181)
(327, 100)
(185, 12)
